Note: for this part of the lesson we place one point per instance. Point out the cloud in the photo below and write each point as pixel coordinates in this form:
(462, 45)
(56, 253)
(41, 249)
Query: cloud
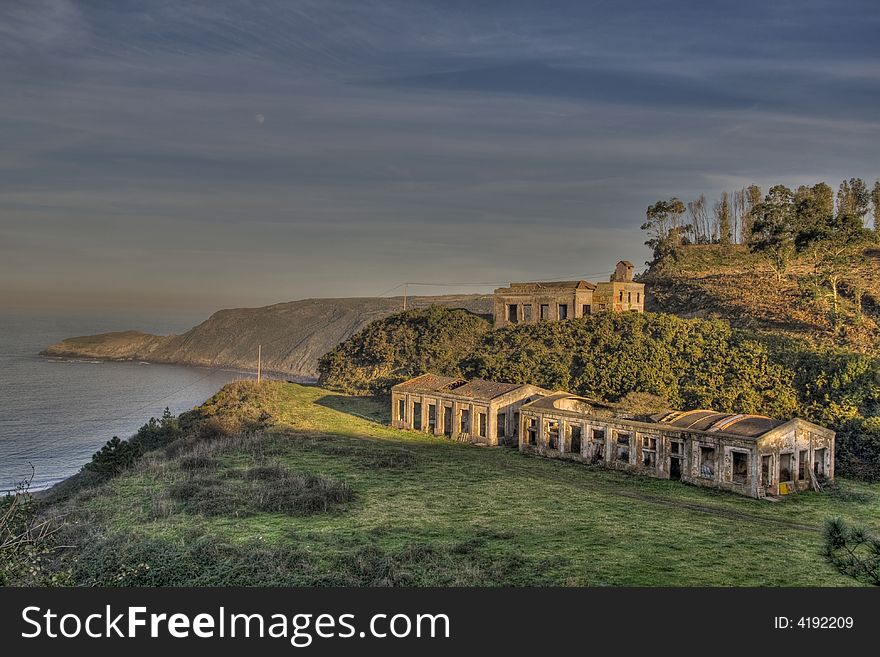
(498, 139)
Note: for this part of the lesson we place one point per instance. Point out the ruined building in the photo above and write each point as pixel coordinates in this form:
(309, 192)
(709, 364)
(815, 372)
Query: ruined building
(748, 454)
(477, 411)
(525, 303)
(751, 455)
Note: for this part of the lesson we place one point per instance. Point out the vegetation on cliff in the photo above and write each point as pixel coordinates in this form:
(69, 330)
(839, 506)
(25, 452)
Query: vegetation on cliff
(400, 347)
(689, 363)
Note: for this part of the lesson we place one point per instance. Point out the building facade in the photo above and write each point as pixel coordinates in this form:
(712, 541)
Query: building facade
(477, 411)
(528, 303)
(620, 293)
(746, 454)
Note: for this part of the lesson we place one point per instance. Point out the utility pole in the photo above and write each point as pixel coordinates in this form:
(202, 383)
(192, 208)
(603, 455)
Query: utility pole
(259, 362)
(405, 291)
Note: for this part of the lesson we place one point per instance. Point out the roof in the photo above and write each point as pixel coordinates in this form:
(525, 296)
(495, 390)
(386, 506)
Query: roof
(749, 426)
(561, 400)
(428, 383)
(730, 424)
(483, 389)
(554, 285)
(625, 262)
(475, 388)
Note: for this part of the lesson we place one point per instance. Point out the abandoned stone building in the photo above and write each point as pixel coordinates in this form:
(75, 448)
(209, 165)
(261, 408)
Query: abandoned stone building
(748, 454)
(526, 303)
(477, 411)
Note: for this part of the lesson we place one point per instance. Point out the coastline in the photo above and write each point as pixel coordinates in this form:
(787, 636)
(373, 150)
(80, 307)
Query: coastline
(74, 357)
(62, 410)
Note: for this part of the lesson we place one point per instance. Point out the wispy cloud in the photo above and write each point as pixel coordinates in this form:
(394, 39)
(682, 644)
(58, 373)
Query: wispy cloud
(399, 137)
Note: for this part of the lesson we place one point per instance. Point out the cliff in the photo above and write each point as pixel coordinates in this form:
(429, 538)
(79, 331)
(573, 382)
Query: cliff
(294, 335)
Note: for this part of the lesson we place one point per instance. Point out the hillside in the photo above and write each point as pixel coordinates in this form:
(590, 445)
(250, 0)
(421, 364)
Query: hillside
(284, 484)
(682, 363)
(730, 283)
(401, 346)
(293, 335)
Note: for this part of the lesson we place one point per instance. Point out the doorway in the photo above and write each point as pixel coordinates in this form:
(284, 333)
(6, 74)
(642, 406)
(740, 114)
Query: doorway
(417, 416)
(575, 444)
(675, 468)
(447, 421)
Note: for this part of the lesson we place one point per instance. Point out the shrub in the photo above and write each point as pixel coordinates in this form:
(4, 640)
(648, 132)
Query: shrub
(114, 457)
(25, 539)
(302, 495)
(157, 433)
(401, 346)
(197, 462)
(261, 489)
(132, 560)
(241, 406)
(687, 363)
(852, 551)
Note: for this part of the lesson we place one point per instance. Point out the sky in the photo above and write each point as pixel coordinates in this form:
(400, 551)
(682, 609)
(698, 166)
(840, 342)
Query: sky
(164, 154)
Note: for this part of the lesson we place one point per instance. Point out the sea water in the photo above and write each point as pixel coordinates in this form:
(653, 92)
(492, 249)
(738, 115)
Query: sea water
(55, 413)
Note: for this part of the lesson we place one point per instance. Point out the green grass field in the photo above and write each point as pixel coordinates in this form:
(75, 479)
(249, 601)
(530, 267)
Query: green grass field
(426, 511)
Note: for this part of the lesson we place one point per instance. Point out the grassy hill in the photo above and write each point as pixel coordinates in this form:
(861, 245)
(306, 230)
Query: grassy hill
(294, 335)
(732, 284)
(289, 484)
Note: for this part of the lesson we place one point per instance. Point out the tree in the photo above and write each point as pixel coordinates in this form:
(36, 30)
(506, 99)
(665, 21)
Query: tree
(853, 199)
(853, 551)
(831, 239)
(773, 229)
(664, 227)
(737, 213)
(751, 200)
(814, 217)
(722, 219)
(114, 457)
(875, 210)
(699, 215)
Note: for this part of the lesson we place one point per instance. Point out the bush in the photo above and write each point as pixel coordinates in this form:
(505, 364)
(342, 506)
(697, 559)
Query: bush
(134, 560)
(114, 457)
(241, 406)
(261, 489)
(117, 455)
(157, 433)
(25, 539)
(399, 347)
(126, 560)
(852, 551)
(197, 462)
(687, 363)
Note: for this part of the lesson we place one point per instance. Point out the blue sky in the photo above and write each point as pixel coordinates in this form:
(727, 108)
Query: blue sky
(209, 154)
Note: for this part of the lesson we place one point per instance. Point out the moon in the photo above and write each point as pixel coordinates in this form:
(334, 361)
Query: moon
(259, 118)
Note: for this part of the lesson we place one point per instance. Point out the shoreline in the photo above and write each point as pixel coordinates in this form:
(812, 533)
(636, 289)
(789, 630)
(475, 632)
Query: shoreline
(126, 419)
(72, 357)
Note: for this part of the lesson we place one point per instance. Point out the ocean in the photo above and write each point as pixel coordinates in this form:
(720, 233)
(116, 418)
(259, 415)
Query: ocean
(54, 414)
